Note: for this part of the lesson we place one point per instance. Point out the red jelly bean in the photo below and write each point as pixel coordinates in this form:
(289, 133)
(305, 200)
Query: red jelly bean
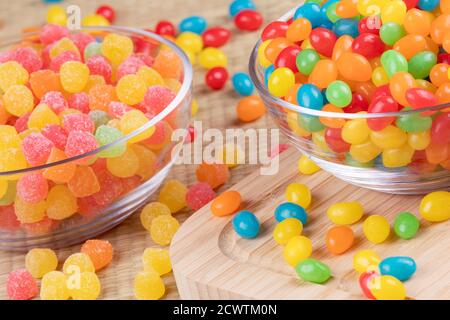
(216, 37)
(380, 105)
(165, 28)
(358, 104)
(191, 134)
(369, 45)
(334, 140)
(323, 41)
(248, 20)
(369, 25)
(411, 3)
(420, 98)
(287, 58)
(364, 280)
(107, 12)
(440, 130)
(381, 91)
(275, 29)
(444, 58)
(216, 78)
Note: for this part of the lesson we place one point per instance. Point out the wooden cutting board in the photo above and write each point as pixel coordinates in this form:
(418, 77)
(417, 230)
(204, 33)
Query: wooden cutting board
(211, 262)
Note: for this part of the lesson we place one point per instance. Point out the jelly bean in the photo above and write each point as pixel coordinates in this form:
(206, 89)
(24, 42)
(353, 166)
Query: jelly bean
(314, 271)
(355, 131)
(107, 12)
(346, 27)
(299, 30)
(216, 37)
(369, 25)
(339, 94)
(368, 45)
(246, 224)
(434, 207)
(334, 140)
(439, 27)
(376, 229)
(194, 24)
(353, 66)
(275, 29)
(190, 42)
(394, 11)
(391, 32)
(445, 6)
(399, 84)
(381, 105)
(419, 140)
(329, 11)
(56, 15)
(364, 280)
(242, 84)
(343, 44)
(428, 5)
(418, 22)
(345, 213)
(238, 5)
(339, 239)
(307, 60)
(413, 122)
(212, 57)
(323, 41)
(274, 48)
(401, 268)
(299, 194)
(250, 108)
(438, 74)
(216, 78)
(393, 62)
(165, 28)
(309, 96)
(291, 210)
(248, 20)
(226, 204)
(420, 98)
(440, 129)
(307, 166)
(280, 81)
(443, 93)
(287, 58)
(286, 230)
(390, 137)
(379, 77)
(324, 73)
(310, 11)
(397, 157)
(387, 288)
(297, 249)
(366, 260)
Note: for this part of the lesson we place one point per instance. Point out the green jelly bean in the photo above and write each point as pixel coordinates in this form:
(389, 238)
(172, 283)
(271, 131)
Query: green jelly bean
(393, 62)
(421, 63)
(406, 225)
(310, 123)
(391, 32)
(339, 94)
(313, 271)
(10, 195)
(352, 162)
(314, 1)
(331, 12)
(106, 135)
(413, 122)
(306, 61)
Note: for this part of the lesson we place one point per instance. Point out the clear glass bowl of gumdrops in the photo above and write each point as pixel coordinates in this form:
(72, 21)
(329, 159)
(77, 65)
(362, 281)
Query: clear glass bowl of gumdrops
(86, 123)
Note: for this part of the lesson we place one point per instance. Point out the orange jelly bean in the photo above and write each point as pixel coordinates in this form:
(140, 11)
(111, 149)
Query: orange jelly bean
(332, 122)
(439, 27)
(418, 22)
(437, 153)
(339, 239)
(410, 44)
(342, 45)
(347, 8)
(291, 95)
(275, 47)
(227, 203)
(299, 30)
(400, 83)
(439, 74)
(250, 109)
(353, 66)
(443, 93)
(324, 73)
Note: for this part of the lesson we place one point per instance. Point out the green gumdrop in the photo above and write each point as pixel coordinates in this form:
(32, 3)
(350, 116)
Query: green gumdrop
(421, 63)
(391, 32)
(92, 49)
(306, 61)
(10, 195)
(339, 94)
(352, 162)
(99, 117)
(393, 62)
(106, 135)
(310, 123)
(413, 122)
(331, 12)
(313, 271)
(406, 225)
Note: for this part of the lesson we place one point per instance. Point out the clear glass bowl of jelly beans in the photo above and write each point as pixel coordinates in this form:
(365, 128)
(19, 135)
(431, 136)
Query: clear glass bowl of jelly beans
(86, 129)
(365, 95)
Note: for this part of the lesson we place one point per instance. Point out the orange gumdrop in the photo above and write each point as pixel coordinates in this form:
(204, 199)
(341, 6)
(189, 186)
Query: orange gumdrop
(84, 182)
(347, 8)
(275, 47)
(332, 122)
(214, 174)
(339, 239)
(43, 81)
(168, 64)
(100, 96)
(439, 74)
(410, 44)
(299, 30)
(439, 27)
(61, 173)
(250, 108)
(400, 82)
(324, 73)
(342, 45)
(225, 204)
(353, 66)
(100, 252)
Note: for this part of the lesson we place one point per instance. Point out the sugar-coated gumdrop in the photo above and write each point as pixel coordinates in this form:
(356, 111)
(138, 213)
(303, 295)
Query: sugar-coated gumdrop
(173, 194)
(77, 263)
(116, 48)
(110, 188)
(63, 57)
(99, 65)
(131, 65)
(106, 135)
(78, 122)
(21, 285)
(32, 187)
(28, 58)
(36, 148)
(151, 211)
(61, 203)
(74, 76)
(84, 182)
(84, 286)
(100, 252)
(79, 101)
(80, 142)
(148, 285)
(163, 228)
(55, 134)
(155, 259)
(54, 286)
(199, 194)
(213, 174)
(40, 262)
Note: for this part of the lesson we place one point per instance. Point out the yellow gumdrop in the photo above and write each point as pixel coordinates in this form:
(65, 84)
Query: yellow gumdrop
(131, 89)
(157, 259)
(61, 203)
(150, 76)
(116, 48)
(39, 262)
(151, 211)
(12, 73)
(54, 286)
(125, 165)
(41, 116)
(133, 120)
(63, 45)
(85, 286)
(74, 76)
(18, 100)
(148, 286)
(78, 263)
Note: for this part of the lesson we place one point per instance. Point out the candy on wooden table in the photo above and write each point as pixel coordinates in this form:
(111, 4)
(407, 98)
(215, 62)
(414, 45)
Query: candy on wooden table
(20, 285)
(99, 251)
(148, 285)
(297, 249)
(173, 194)
(163, 228)
(246, 224)
(213, 174)
(286, 230)
(156, 259)
(40, 261)
(226, 203)
(199, 194)
(87, 287)
(54, 286)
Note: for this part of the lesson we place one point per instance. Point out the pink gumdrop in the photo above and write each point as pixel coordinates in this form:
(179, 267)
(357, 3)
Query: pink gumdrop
(99, 65)
(87, 207)
(78, 122)
(8, 218)
(28, 58)
(158, 97)
(32, 188)
(52, 32)
(80, 102)
(199, 194)
(147, 58)
(6, 56)
(130, 183)
(118, 109)
(81, 40)
(131, 65)
(110, 188)
(41, 227)
(21, 285)
(60, 59)
(36, 148)
(21, 123)
(55, 100)
(55, 134)
(80, 142)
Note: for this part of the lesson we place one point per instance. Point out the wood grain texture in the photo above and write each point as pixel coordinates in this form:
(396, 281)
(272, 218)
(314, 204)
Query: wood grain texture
(211, 262)
(217, 109)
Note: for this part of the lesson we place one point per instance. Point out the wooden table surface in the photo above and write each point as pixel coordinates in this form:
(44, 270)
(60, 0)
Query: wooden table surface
(217, 110)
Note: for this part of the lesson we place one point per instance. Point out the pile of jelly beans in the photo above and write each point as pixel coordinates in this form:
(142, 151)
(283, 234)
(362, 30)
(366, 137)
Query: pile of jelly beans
(343, 56)
(65, 94)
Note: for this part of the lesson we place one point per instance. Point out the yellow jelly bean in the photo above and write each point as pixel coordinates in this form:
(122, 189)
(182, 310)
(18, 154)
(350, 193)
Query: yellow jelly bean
(297, 249)
(355, 131)
(298, 193)
(94, 20)
(419, 140)
(190, 41)
(212, 57)
(280, 81)
(56, 15)
(364, 152)
(376, 228)
(435, 206)
(379, 76)
(291, 119)
(286, 230)
(397, 157)
(366, 260)
(387, 288)
(344, 213)
(318, 138)
(307, 166)
(390, 137)
(371, 7)
(262, 60)
(394, 11)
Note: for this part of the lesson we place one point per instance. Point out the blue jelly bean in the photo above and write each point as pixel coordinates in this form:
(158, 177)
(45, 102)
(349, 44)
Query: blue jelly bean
(242, 84)
(310, 11)
(194, 24)
(291, 210)
(326, 25)
(324, 96)
(246, 224)
(346, 27)
(309, 96)
(270, 69)
(428, 5)
(401, 268)
(239, 5)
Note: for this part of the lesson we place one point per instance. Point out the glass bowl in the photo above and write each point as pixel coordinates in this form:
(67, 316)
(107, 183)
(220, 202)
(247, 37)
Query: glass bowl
(97, 213)
(393, 168)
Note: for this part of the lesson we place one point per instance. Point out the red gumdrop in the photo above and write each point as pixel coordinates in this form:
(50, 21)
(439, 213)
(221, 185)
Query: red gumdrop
(60, 59)
(366, 25)
(275, 29)
(216, 37)
(118, 109)
(99, 65)
(87, 207)
(80, 142)
(130, 65)
(369, 45)
(420, 98)
(36, 148)
(107, 12)
(52, 32)
(110, 188)
(248, 20)
(8, 218)
(157, 98)
(28, 58)
(78, 122)
(323, 41)
(444, 58)
(358, 104)
(440, 129)
(411, 3)
(55, 100)
(41, 227)
(364, 280)
(21, 123)
(199, 194)
(80, 102)
(32, 188)
(381, 105)
(21, 285)
(216, 78)
(334, 140)
(287, 58)
(165, 28)
(55, 134)
(81, 40)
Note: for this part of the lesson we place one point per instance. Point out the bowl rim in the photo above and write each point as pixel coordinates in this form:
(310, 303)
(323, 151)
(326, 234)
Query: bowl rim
(182, 93)
(266, 95)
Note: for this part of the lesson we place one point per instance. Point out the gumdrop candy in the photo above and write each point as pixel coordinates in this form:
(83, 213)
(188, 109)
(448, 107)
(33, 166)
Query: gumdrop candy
(32, 188)
(199, 195)
(100, 252)
(21, 285)
(40, 261)
(36, 148)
